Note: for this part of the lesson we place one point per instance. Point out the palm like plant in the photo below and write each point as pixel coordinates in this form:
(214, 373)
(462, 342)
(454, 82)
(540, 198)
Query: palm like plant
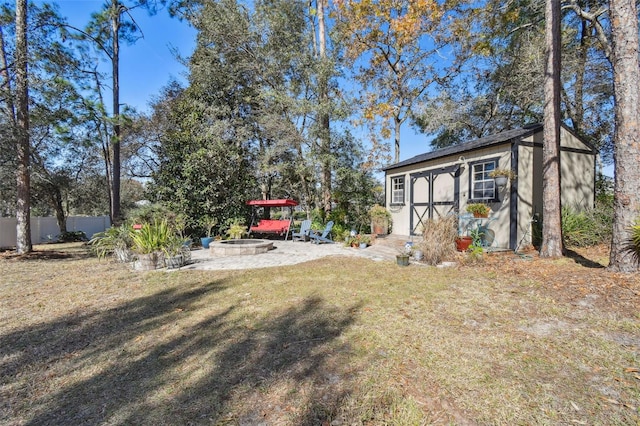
(634, 241)
(116, 240)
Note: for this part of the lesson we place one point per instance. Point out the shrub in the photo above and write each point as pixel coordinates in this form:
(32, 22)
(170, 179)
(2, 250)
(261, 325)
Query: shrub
(339, 231)
(72, 236)
(589, 227)
(235, 227)
(439, 238)
(299, 215)
(378, 212)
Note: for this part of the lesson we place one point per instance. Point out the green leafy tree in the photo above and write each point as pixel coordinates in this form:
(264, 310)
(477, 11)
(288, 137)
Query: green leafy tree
(203, 171)
(257, 78)
(109, 27)
(503, 83)
(396, 49)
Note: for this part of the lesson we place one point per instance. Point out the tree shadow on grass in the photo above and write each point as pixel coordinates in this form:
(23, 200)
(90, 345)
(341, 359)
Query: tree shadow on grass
(583, 261)
(177, 358)
(40, 255)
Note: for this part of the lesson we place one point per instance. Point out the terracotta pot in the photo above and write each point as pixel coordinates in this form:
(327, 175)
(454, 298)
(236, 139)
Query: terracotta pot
(463, 243)
(379, 227)
(480, 215)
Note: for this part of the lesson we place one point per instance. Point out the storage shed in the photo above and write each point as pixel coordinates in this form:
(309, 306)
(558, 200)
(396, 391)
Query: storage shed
(443, 182)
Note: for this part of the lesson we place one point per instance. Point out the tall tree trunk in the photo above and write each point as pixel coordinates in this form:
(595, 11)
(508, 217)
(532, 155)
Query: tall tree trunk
(6, 79)
(58, 207)
(551, 210)
(115, 63)
(23, 179)
(626, 83)
(397, 123)
(325, 133)
(578, 101)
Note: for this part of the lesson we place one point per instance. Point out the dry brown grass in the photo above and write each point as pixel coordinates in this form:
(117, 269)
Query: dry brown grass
(336, 341)
(438, 239)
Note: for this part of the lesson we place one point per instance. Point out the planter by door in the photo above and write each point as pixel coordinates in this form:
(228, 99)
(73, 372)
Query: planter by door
(463, 243)
(206, 241)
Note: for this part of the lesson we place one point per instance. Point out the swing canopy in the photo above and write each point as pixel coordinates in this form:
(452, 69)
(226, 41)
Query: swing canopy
(273, 203)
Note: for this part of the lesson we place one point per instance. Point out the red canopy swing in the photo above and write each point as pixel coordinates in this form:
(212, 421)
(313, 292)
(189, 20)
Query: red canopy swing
(272, 226)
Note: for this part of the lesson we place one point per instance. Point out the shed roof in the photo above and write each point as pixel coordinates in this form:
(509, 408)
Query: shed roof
(487, 141)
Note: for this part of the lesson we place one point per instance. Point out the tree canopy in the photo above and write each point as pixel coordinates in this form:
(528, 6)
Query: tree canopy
(274, 89)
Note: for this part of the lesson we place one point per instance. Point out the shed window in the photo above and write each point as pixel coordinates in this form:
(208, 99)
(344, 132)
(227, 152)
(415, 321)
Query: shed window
(482, 185)
(397, 190)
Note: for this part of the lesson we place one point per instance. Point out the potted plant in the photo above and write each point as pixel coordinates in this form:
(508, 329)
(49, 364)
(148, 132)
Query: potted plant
(207, 223)
(463, 242)
(402, 258)
(115, 240)
(174, 252)
(364, 241)
(502, 176)
(236, 229)
(478, 209)
(150, 244)
(380, 220)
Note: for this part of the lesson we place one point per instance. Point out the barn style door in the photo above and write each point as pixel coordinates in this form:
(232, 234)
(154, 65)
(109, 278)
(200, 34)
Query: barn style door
(433, 194)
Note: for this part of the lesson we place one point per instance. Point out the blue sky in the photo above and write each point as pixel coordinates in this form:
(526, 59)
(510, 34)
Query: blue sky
(147, 65)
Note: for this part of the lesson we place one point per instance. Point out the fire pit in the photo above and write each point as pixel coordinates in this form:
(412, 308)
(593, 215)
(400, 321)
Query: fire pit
(239, 247)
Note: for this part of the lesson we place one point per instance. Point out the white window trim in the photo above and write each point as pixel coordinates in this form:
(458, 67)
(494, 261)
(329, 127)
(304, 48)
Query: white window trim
(487, 180)
(395, 201)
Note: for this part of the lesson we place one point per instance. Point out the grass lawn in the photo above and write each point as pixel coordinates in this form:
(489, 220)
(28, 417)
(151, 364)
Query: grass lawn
(339, 341)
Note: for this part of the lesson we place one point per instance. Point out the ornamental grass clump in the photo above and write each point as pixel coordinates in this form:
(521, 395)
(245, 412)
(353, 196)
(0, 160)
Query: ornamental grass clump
(438, 239)
(588, 227)
(152, 237)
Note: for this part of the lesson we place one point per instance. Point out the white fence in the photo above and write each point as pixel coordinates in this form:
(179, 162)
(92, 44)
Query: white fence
(44, 229)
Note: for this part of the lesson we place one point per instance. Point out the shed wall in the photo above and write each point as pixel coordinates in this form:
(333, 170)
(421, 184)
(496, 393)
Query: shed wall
(513, 225)
(444, 187)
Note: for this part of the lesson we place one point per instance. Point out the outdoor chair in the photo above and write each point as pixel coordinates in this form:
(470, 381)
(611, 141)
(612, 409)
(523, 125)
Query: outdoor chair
(303, 234)
(325, 237)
